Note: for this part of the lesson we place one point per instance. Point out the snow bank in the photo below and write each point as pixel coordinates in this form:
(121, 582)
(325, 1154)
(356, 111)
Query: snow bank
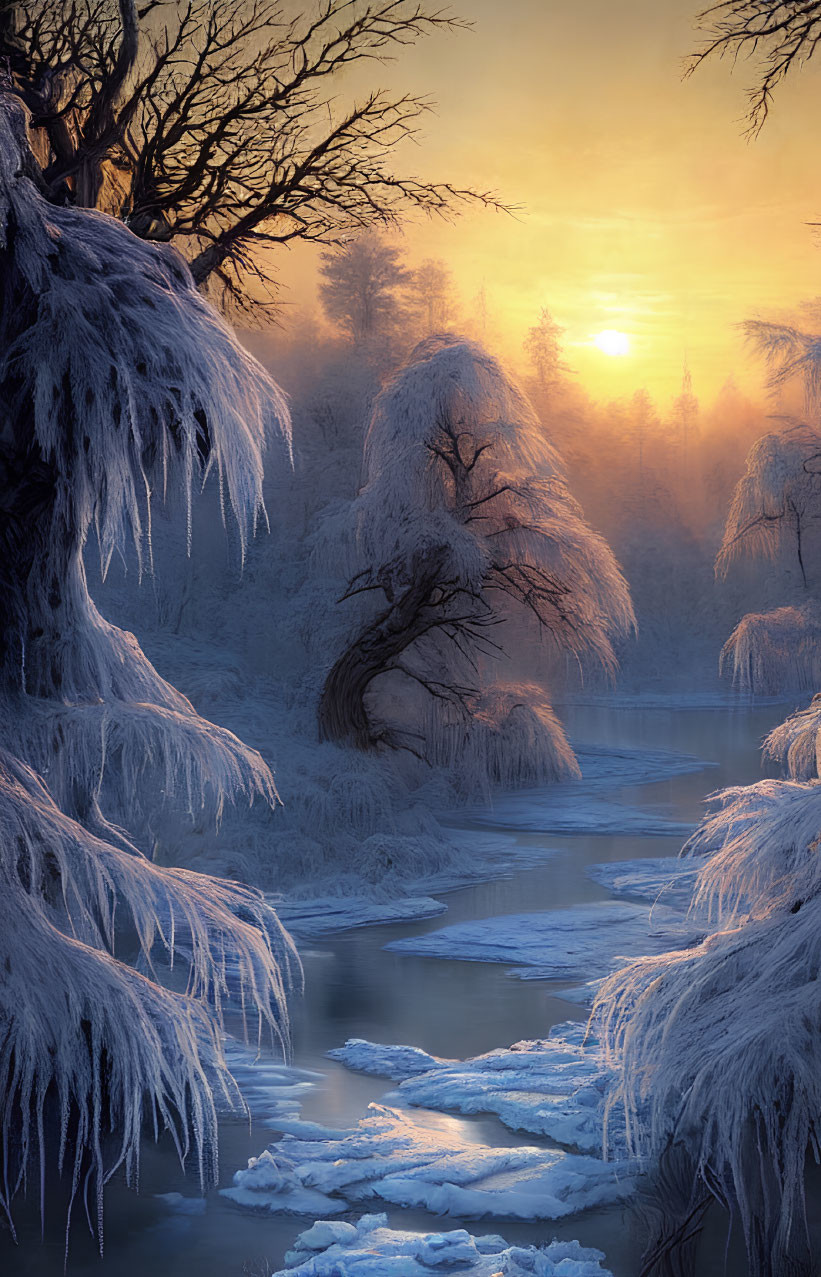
(423, 1161)
(370, 1249)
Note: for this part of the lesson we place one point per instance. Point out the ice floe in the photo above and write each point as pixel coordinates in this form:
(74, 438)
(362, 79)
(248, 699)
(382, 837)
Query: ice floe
(325, 915)
(422, 1160)
(552, 1087)
(181, 1205)
(369, 1248)
(559, 944)
(667, 879)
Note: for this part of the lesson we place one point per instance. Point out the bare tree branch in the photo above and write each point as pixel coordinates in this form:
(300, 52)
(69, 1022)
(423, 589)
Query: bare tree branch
(218, 125)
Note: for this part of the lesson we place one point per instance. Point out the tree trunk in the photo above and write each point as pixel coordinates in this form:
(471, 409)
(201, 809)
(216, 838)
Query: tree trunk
(343, 714)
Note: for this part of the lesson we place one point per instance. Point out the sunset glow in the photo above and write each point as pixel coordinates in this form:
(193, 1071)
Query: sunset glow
(612, 342)
(630, 232)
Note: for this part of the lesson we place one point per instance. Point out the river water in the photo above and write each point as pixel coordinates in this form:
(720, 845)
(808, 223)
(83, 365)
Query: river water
(354, 988)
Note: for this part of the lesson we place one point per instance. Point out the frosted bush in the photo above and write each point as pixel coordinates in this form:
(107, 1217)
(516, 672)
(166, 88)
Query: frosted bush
(510, 737)
(772, 652)
(795, 742)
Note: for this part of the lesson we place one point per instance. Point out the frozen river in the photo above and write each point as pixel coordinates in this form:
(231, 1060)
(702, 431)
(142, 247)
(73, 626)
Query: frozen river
(356, 988)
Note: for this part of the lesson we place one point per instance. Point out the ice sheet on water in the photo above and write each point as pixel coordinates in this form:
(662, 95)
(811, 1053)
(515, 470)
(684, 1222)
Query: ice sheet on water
(561, 944)
(370, 1249)
(668, 879)
(719, 698)
(324, 915)
(607, 767)
(552, 1087)
(591, 805)
(395, 1062)
(181, 1205)
(424, 1161)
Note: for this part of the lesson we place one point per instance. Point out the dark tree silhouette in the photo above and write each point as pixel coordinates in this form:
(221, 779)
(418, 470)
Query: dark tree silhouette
(218, 124)
(778, 36)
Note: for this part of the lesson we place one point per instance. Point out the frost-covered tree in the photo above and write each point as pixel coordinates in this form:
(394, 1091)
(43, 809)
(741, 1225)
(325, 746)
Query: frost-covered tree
(776, 498)
(774, 512)
(718, 1047)
(685, 420)
(464, 519)
(769, 652)
(220, 125)
(544, 350)
(118, 381)
(361, 287)
(431, 296)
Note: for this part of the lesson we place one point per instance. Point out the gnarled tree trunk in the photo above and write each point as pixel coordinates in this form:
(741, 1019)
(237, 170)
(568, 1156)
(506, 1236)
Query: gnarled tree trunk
(343, 713)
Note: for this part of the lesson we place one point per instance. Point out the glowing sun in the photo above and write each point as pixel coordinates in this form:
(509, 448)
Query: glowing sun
(611, 342)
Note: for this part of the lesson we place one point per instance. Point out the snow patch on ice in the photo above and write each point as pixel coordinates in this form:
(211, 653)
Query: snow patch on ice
(424, 1161)
(370, 1249)
(324, 915)
(552, 1087)
(668, 879)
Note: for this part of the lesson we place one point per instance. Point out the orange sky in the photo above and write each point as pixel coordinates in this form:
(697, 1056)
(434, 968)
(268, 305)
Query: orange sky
(645, 209)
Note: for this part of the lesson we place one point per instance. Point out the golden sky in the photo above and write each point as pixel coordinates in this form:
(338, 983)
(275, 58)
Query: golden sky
(644, 207)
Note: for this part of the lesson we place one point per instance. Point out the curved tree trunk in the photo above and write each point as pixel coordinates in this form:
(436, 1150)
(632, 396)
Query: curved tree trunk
(343, 714)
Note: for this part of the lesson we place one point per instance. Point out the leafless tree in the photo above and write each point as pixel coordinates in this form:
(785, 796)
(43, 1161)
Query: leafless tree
(778, 36)
(218, 124)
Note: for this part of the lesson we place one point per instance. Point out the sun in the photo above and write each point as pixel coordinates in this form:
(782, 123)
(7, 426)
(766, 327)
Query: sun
(612, 342)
